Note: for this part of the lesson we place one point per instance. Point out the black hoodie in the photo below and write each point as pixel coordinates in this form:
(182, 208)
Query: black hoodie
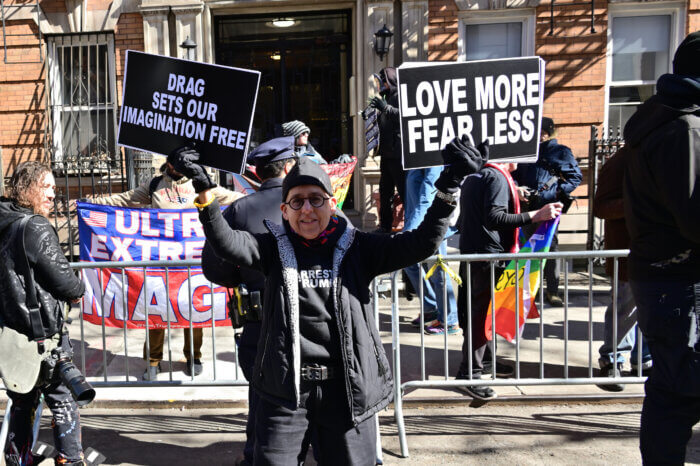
(54, 279)
(662, 183)
(389, 125)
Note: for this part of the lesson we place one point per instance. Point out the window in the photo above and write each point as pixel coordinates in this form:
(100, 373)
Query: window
(487, 36)
(640, 49)
(82, 102)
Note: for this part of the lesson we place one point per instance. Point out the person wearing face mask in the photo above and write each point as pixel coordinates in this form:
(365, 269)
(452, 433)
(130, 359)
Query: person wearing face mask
(27, 240)
(168, 190)
(320, 363)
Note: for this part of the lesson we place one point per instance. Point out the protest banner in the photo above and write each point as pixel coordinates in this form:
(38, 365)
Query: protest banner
(499, 101)
(121, 234)
(170, 102)
(529, 282)
(340, 175)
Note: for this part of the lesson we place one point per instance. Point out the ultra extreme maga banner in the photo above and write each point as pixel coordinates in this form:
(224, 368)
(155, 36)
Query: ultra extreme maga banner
(122, 234)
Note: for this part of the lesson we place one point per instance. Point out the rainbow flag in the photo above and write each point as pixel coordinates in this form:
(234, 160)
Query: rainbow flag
(529, 282)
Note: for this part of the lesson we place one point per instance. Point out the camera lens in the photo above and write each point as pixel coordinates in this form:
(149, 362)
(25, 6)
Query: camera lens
(82, 391)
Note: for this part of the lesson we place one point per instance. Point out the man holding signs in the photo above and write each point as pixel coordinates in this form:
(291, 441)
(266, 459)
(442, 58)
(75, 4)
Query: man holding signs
(321, 364)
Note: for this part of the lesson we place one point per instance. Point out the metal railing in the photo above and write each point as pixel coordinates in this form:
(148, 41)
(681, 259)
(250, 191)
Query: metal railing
(448, 382)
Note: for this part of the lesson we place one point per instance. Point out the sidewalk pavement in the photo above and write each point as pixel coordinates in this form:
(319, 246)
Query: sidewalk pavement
(498, 433)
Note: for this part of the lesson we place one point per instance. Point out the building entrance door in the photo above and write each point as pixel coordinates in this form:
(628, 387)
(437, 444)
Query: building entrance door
(305, 61)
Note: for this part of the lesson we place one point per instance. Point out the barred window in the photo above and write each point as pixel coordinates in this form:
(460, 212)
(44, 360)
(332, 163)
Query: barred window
(82, 102)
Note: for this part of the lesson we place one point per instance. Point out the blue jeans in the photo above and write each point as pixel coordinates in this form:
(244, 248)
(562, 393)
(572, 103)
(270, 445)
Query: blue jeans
(669, 321)
(420, 192)
(626, 330)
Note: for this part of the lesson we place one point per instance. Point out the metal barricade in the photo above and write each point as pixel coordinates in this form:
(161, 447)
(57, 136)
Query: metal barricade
(126, 379)
(448, 382)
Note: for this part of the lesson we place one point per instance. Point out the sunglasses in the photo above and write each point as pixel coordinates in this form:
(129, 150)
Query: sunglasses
(298, 202)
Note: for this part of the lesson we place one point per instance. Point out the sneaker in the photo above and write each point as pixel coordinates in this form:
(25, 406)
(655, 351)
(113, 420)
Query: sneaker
(429, 316)
(151, 373)
(611, 370)
(502, 370)
(436, 328)
(198, 368)
(553, 300)
(480, 392)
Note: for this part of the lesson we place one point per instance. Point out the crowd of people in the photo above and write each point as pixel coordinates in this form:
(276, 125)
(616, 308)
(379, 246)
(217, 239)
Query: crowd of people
(309, 347)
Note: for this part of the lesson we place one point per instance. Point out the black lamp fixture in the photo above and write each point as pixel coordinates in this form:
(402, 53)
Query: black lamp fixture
(189, 45)
(382, 41)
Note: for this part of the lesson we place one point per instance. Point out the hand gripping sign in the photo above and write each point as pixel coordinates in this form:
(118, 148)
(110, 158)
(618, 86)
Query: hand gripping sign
(495, 100)
(169, 102)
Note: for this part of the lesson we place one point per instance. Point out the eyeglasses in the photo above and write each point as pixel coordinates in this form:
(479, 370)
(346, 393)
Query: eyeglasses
(298, 202)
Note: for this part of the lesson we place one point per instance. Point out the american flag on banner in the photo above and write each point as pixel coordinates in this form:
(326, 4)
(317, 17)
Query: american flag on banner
(95, 219)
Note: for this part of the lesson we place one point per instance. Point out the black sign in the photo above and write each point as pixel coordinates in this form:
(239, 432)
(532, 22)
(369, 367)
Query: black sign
(170, 102)
(495, 100)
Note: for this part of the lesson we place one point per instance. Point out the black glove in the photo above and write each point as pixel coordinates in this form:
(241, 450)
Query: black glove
(461, 160)
(378, 103)
(184, 160)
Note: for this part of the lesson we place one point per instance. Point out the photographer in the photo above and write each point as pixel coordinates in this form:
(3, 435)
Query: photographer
(29, 240)
(551, 179)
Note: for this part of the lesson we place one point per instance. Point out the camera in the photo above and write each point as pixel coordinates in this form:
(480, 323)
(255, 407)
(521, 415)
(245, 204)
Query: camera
(60, 362)
(566, 199)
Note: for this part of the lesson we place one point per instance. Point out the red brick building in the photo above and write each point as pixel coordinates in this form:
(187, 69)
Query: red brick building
(62, 66)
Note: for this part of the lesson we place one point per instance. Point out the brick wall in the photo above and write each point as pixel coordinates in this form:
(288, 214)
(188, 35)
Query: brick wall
(128, 35)
(23, 100)
(442, 30)
(23, 118)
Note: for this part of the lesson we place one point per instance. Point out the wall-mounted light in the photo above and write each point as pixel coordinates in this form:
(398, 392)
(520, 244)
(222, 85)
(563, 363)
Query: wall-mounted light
(275, 56)
(382, 41)
(283, 22)
(189, 45)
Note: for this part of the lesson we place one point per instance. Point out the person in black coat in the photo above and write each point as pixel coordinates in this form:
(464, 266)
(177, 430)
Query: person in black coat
(551, 179)
(273, 160)
(27, 237)
(320, 362)
(391, 173)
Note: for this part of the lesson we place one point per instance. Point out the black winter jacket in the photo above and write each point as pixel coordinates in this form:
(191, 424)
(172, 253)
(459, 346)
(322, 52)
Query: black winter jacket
(389, 124)
(662, 183)
(358, 258)
(55, 281)
(554, 160)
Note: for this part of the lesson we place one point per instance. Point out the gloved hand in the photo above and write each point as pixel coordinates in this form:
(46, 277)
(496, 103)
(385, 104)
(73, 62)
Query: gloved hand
(461, 160)
(344, 158)
(378, 103)
(185, 160)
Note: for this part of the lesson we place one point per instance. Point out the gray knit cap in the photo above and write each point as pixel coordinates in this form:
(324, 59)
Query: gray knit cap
(294, 128)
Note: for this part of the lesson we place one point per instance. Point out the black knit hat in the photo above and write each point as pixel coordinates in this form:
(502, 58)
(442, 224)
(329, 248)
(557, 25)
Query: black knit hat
(548, 125)
(306, 172)
(686, 61)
